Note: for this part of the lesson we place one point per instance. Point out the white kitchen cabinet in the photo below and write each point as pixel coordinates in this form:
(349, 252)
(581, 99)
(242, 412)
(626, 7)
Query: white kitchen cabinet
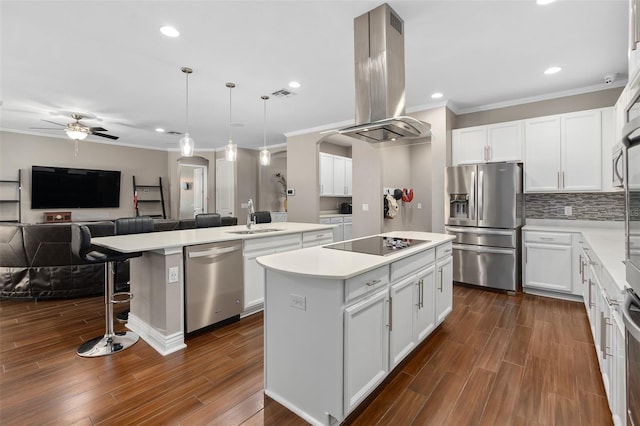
(444, 275)
(317, 238)
(634, 38)
(402, 338)
(342, 335)
(564, 152)
(254, 273)
(347, 228)
(617, 402)
(348, 176)
(492, 143)
(335, 175)
(548, 257)
(425, 307)
(278, 216)
(366, 347)
(326, 174)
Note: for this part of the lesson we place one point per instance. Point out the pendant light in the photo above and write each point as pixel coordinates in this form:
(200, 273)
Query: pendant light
(265, 155)
(231, 150)
(186, 142)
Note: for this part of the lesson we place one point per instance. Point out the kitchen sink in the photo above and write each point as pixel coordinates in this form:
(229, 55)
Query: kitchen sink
(254, 231)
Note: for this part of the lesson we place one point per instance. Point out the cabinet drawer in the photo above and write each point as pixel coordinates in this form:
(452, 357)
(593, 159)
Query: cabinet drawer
(325, 220)
(443, 250)
(547, 237)
(336, 219)
(365, 283)
(317, 238)
(412, 263)
(279, 243)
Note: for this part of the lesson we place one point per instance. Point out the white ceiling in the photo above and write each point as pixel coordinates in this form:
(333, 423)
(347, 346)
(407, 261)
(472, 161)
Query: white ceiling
(108, 58)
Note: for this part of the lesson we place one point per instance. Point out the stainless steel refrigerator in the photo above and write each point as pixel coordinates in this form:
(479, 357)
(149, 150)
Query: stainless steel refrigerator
(484, 210)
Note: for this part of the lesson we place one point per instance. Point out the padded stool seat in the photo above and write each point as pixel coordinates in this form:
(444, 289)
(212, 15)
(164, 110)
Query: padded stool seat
(262, 217)
(208, 220)
(111, 342)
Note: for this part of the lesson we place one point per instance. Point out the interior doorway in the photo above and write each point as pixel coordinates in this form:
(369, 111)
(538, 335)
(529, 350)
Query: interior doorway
(192, 174)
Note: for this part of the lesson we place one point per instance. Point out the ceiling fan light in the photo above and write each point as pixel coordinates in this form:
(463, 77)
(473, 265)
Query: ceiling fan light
(186, 145)
(76, 134)
(231, 151)
(265, 157)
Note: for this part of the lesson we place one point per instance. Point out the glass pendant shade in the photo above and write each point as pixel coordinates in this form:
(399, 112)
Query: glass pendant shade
(265, 157)
(231, 151)
(186, 145)
(77, 135)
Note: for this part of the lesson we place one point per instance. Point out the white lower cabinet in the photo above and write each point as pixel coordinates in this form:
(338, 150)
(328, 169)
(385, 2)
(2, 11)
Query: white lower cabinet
(548, 262)
(366, 347)
(254, 273)
(602, 300)
(342, 226)
(347, 335)
(444, 292)
(412, 313)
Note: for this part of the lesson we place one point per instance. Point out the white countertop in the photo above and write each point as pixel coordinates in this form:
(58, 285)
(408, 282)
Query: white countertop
(149, 241)
(606, 239)
(326, 263)
(325, 215)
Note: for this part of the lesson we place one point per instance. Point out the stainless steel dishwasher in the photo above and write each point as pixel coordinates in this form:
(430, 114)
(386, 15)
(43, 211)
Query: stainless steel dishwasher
(214, 283)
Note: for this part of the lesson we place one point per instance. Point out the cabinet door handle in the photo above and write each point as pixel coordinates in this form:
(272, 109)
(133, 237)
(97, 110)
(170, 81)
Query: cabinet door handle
(591, 304)
(418, 302)
(526, 254)
(420, 293)
(558, 178)
(562, 180)
(441, 279)
(581, 268)
(390, 301)
(547, 238)
(374, 282)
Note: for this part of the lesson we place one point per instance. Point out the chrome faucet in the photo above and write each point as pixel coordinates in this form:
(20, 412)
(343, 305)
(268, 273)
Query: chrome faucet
(251, 214)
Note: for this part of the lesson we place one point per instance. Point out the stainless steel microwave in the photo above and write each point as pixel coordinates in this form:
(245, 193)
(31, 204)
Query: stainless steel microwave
(631, 141)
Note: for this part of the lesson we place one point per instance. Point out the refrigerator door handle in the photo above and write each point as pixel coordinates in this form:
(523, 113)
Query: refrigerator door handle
(477, 231)
(472, 201)
(480, 249)
(480, 195)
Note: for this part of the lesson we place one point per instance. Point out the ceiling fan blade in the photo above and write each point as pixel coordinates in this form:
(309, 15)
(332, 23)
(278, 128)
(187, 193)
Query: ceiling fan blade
(97, 129)
(105, 135)
(53, 122)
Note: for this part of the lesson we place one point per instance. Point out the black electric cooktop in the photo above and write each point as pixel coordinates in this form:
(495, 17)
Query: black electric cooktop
(380, 246)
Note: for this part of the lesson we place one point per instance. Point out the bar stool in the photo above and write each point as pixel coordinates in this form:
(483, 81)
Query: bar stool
(208, 220)
(131, 225)
(111, 342)
(263, 217)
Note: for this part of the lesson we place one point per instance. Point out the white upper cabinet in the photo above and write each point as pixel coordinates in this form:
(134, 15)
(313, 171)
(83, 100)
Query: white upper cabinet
(326, 174)
(335, 175)
(564, 152)
(492, 143)
(634, 37)
(542, 153)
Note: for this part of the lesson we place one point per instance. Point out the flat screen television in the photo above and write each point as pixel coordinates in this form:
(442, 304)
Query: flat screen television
(61, 187)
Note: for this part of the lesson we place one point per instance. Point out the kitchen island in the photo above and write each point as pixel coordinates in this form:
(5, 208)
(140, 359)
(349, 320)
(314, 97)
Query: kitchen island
(337, 322)
(157, 310)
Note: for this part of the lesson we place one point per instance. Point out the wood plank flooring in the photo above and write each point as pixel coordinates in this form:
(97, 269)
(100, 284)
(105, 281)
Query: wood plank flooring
(496, 360)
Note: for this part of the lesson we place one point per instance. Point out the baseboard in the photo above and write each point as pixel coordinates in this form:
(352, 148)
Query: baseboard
(164, 344)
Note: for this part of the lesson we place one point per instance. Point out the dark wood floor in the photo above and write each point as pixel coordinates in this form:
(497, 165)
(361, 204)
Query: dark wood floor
(496, 360)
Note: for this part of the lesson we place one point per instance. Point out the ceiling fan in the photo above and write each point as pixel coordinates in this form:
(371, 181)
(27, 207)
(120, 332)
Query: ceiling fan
(78, 130)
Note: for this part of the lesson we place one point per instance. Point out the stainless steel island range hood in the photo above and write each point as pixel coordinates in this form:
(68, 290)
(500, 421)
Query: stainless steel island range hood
(380, 87)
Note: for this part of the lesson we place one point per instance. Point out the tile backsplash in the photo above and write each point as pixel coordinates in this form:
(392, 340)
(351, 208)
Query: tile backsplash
(585, 206)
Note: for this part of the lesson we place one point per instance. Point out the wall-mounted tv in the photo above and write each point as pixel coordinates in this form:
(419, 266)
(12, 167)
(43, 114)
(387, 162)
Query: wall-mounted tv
(60, 187)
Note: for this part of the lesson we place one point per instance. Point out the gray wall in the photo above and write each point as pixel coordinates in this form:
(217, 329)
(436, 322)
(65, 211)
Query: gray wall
(592, 100)
(21, 151)
(270, 192)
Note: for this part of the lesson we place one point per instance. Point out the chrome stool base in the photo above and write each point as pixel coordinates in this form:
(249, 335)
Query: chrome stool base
(107, 345)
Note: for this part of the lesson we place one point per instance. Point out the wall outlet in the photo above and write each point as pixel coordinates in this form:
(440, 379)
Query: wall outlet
(298, 302)
(365, 207)
(568, 210)
(173, 274)
(419, 205)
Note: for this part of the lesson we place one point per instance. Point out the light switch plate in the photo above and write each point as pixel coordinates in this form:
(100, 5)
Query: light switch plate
(568, 210)
(365, 207)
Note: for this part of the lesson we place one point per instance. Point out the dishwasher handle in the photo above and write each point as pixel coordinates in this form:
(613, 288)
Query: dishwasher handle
(214, 252)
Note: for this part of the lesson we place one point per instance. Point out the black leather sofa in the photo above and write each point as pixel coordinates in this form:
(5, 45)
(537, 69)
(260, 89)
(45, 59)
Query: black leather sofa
(36, 261)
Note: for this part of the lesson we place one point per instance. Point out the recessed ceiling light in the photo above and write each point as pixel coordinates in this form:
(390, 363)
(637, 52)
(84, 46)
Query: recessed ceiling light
(552, 70)
(294, 84)
(543, 2)
(437, 95)
(169, 31)
(159, 130)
